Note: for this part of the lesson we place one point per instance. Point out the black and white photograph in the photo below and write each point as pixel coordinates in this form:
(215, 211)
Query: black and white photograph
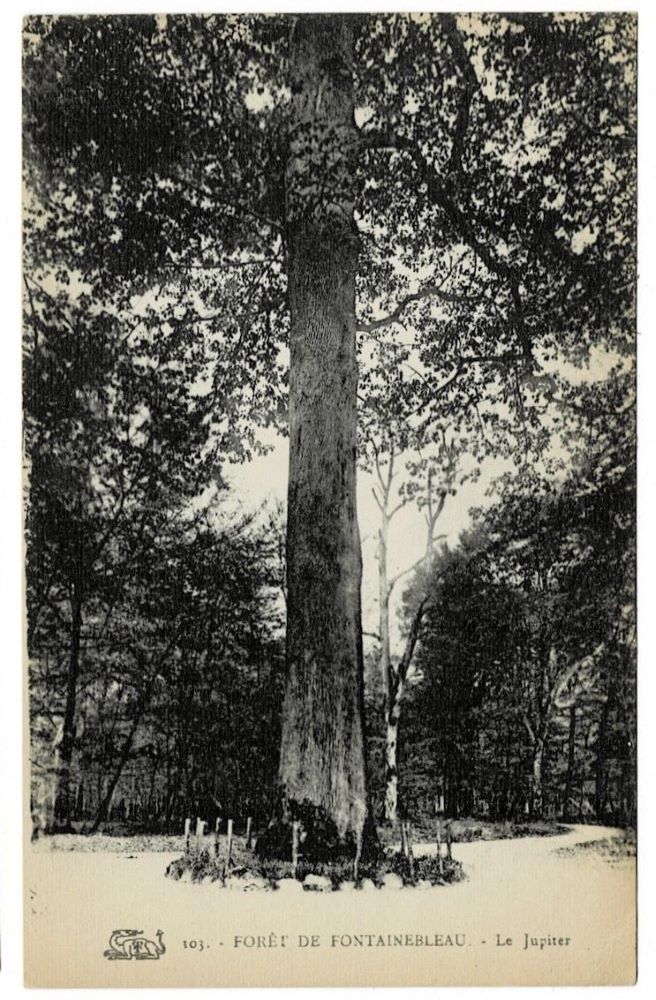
(329, 498)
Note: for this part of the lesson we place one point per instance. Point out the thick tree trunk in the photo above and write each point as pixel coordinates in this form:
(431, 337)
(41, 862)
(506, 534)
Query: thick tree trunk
(322, 761)
(63, 799)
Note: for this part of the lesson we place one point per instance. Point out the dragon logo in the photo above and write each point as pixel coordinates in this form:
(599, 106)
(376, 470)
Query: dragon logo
(132, 944)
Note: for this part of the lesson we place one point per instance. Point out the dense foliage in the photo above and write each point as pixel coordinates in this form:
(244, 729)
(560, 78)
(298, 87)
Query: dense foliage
(525, 701)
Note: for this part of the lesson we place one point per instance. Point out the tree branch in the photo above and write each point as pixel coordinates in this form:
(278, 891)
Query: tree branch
(401, 670)
(428, 291)
(395, 579)
(375, 496)
(470, 85)
(217, 199)
(529, 727)
(440, 192)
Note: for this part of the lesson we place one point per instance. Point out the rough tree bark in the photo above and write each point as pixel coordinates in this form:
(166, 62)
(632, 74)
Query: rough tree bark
(322, 760)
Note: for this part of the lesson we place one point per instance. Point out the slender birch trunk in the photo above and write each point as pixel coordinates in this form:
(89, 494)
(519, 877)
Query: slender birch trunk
(395, 677)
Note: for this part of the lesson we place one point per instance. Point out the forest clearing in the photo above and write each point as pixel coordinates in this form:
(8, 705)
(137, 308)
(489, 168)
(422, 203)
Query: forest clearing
(506, 861)
(234, 931)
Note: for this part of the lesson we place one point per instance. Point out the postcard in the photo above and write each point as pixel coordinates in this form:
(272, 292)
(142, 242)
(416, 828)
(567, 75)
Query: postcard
(329, 462)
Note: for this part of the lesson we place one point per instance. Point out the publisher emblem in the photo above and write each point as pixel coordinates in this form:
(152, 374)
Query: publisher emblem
(132, 944)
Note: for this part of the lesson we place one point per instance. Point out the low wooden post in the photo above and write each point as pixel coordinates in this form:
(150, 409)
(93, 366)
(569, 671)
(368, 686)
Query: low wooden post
(52, 808)
(448, 842)
(187, 835)
(295, 840)
(440, 863)
(356, 861)
(404, 840)
(216, 836)
(249, 823)
(200, 830)
(229, 847)
(411, 859)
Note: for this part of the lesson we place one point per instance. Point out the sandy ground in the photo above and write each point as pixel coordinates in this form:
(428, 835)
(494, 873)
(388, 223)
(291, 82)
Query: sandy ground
(524, 890)
(503, 865)
(482, 858)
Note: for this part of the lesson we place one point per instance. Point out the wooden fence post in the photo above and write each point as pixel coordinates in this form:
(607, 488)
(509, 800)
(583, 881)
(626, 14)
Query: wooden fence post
(404, 840)
(200, 830)
(229, 848)
(411, 859)
(249, 823)
(440, 865)
(216, 836)
(187, 835)
(448, 842)
(295, 840)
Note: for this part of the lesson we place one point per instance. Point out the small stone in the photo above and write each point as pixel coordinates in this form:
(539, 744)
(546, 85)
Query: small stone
(348, 885)
(423, 884)
(244, 883)
(317, 883)
(367, 885)
(255, 883)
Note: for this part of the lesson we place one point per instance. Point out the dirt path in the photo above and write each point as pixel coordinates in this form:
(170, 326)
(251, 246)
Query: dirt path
(519, 900)
(485, 855)
(508, 865)
(521, 868)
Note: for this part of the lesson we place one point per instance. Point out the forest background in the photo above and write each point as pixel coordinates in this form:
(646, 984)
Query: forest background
(152, 626)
